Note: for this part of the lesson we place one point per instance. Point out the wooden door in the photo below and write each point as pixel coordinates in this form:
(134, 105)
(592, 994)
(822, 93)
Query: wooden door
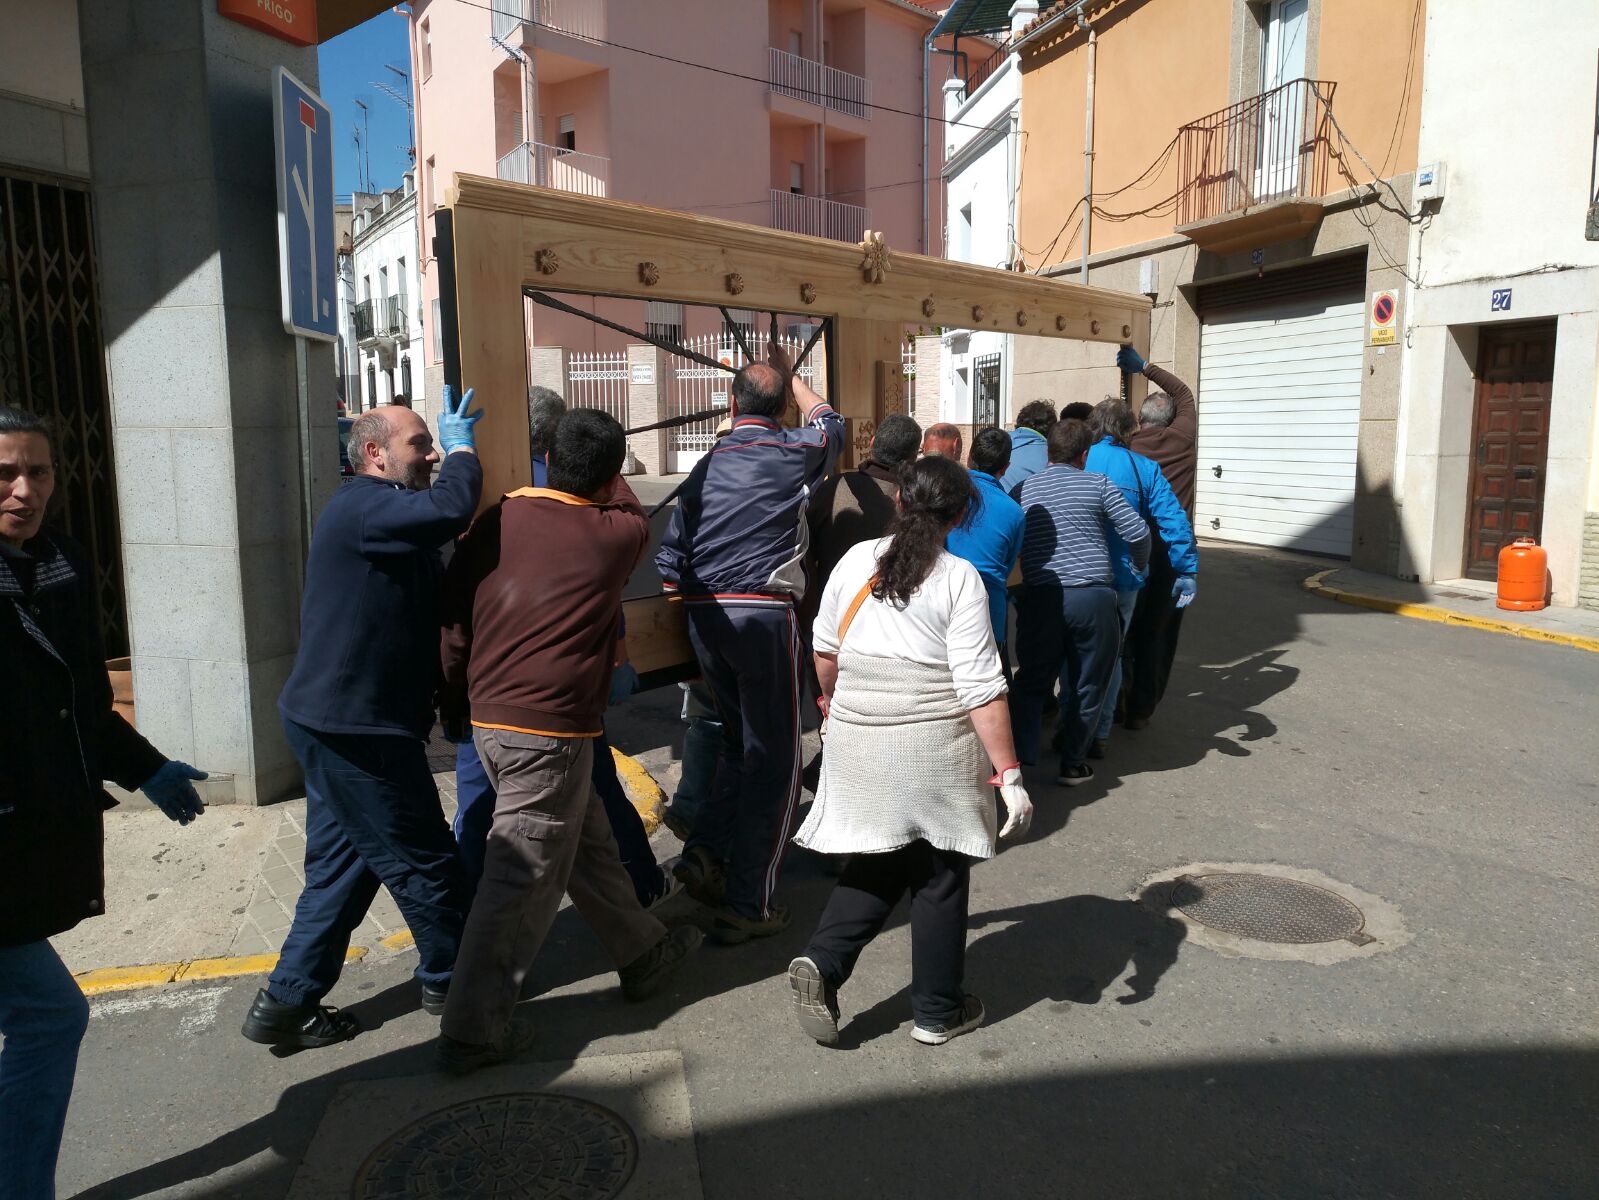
(1510, 441)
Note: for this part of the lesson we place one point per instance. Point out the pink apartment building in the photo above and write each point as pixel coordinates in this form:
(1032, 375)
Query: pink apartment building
(800, 136)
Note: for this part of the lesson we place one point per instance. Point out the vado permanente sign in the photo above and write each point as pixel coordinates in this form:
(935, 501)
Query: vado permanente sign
(292, 20)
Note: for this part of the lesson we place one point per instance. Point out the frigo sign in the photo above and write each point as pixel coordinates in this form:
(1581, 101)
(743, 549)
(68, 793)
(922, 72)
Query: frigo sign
(292, 20)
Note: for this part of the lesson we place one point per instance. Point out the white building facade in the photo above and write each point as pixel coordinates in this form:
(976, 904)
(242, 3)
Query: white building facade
(1500, 320)
(982, 113)
(387, 313)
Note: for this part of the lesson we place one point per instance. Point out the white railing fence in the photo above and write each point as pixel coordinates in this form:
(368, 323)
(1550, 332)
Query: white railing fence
(818, 217)
(598, 380)
(695, 387)
(907, 362)
(807, 79)
(579, 18)
(556, 167)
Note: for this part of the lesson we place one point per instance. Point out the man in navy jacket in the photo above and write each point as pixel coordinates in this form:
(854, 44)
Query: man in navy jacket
(357, 711)
(735, 549)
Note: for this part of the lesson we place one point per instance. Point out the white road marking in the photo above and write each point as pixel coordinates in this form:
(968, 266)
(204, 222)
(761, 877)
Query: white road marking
(198, 1007)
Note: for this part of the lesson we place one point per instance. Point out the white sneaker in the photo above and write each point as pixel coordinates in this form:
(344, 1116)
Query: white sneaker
(970, 1018)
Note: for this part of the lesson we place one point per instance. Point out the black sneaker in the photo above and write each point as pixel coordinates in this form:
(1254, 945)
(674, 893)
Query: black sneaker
(815, 1001)
(1071, 776)
(702, 876)
(461, 1058)
(297, 1026)
(433, 999)
(1096, 748)
(729, 928)
(648, 973)
(971, 1016)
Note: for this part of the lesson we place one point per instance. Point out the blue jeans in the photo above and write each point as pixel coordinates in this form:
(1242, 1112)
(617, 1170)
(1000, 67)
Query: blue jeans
(1069, 635)
(702, 746)
(1125, 603)
(43, 1016)
(749, 654)
(372, 817)
(474, 814)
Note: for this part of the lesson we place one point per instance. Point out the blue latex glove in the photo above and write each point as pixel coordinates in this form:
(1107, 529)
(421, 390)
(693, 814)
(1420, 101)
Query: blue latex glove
(171, 791)
(455, 422)
(1185, 588)
(1130, 361)
(624, 682)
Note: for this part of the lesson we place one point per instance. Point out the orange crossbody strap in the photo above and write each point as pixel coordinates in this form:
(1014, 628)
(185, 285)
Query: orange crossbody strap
(854, 607)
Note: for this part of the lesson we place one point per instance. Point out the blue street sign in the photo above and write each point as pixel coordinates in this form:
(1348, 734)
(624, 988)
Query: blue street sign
(1500, 300)
(303, 128)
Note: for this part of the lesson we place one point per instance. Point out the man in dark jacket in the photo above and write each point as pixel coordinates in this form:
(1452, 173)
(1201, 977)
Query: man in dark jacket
(735, 550)
(357, 711)
(62, 739)
(1168, 427)
(857, 506)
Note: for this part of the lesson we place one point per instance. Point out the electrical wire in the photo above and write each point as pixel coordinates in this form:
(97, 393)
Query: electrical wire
(699, 66)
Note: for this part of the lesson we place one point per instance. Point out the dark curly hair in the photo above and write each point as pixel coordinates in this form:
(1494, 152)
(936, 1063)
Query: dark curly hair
(935, 493)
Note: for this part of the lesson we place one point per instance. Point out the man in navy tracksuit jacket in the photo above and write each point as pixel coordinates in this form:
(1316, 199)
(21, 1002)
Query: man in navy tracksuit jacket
(357, 711)
(735, 550)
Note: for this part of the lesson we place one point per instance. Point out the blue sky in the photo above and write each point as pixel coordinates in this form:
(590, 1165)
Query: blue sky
(348, 66)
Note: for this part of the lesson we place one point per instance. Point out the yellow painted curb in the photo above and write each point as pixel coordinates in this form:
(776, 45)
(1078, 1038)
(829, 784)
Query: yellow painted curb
(127, 979)
(642, 790)
(1446, 616)
(403, 940)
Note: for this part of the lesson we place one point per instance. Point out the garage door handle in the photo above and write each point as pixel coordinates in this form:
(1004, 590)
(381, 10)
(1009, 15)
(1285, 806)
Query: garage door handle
(1216, 470)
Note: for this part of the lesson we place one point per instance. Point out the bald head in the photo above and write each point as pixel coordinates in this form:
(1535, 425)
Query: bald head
(393, 444)
(760, 390)
(943, 439)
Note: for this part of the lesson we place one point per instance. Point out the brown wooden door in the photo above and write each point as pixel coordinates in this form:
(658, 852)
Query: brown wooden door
(1510, 441)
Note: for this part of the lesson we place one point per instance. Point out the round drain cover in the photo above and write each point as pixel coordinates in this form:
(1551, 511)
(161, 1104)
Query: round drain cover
(1268, 908)
(521, 1146)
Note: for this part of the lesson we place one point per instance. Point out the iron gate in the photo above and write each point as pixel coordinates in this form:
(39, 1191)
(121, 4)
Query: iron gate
(985, 395)
(52, 362)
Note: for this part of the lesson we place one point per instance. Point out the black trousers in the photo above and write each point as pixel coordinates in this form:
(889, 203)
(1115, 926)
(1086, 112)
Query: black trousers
(1072, 635)
(939, 882)
(1152, 636)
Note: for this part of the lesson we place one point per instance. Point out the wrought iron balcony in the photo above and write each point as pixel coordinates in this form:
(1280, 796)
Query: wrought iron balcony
(819, 217)
(806, 79)
(394, 322)
(384, 317)
(556, 167)
(1254, 172)
(365, 322)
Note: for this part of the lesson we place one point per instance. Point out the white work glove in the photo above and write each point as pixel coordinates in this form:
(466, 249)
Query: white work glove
(1018, 807)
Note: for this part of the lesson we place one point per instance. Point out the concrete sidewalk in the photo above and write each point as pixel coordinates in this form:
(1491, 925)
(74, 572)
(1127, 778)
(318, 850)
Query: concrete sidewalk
(1468, 603)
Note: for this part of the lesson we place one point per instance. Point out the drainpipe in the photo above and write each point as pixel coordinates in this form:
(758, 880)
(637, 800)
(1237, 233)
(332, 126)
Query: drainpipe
(1088, 146)
(927, 173)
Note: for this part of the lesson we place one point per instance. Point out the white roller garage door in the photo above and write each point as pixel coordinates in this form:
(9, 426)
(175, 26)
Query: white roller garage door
(1279, 419)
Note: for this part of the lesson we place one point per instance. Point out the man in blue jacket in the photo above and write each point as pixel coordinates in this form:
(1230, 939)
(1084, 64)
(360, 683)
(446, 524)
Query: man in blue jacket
(735, 550)
(992, 539)
(357, 711)
(1146, 489)
(1029, 444)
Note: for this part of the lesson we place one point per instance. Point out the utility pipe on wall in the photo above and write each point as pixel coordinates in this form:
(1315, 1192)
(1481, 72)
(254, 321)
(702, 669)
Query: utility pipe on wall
(1088, 146)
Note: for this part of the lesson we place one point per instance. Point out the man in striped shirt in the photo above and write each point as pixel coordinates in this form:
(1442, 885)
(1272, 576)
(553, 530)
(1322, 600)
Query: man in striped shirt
(1066, 625)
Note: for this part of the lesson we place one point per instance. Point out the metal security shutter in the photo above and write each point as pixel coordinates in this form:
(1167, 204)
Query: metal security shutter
(1279, 421)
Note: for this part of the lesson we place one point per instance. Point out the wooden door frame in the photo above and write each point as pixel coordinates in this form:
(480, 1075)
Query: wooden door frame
(498, 238)
(1486, 336)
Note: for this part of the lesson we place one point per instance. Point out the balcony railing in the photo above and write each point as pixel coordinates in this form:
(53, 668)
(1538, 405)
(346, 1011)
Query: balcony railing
(578, 18)
(383, 317)
(1271, 147)
(818, 217)
(806, 79)
(978, 73)
(555, 167)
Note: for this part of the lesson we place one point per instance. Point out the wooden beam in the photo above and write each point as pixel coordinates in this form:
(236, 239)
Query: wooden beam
(1137, 385)
(607, 247)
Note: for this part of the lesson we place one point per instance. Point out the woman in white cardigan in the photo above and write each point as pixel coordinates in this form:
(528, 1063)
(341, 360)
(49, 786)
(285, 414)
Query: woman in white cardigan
(917, 738)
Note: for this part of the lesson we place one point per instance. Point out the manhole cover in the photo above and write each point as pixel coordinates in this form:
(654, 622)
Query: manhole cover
(522, 1146)
(1267, 908)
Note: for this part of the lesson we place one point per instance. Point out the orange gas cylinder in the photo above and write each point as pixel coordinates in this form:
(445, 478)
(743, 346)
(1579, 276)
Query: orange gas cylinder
(1523, 572)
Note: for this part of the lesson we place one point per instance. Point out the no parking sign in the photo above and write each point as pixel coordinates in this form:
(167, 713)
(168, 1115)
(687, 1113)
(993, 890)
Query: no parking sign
(1383, 315)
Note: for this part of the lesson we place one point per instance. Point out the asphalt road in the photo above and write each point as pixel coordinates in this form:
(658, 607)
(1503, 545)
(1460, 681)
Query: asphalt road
(1449, 772)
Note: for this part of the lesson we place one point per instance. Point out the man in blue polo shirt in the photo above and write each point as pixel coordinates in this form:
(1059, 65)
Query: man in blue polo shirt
(992, 539)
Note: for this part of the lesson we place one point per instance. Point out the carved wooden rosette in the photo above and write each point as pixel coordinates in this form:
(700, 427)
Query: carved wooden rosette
(874, 257)
(929, 308)
(807, 293)
(735, 283)
(649, 274)
(547, 261)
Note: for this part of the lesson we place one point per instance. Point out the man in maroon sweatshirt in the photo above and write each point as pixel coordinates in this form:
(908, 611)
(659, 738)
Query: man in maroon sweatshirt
(530, 610)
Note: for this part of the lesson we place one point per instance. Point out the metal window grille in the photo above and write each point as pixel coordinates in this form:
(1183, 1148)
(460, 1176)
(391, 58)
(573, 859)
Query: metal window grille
(695, 387)
(985, 397)
(599, 381)
(52, 362)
